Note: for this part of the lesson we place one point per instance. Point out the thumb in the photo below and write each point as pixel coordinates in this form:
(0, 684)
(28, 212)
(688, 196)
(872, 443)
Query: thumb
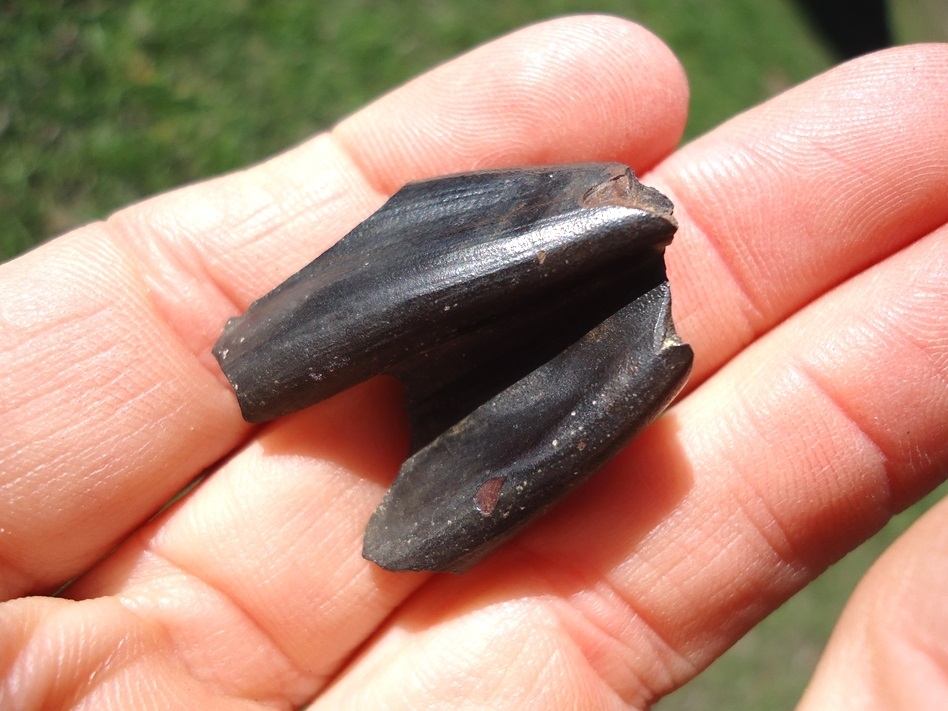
(890, 647)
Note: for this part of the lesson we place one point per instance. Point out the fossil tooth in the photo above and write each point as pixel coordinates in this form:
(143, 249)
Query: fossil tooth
(528, 314)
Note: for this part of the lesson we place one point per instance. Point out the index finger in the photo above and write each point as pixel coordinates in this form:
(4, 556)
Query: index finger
(112, 399)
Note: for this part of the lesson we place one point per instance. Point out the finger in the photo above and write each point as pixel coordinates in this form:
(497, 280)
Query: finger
(786, 201)
(890, 648)
(789, 456)
(106, 658)
(105, 371)
(106, 412)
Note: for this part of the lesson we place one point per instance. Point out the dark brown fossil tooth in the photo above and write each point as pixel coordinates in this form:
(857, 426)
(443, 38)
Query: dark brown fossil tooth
(528, 314)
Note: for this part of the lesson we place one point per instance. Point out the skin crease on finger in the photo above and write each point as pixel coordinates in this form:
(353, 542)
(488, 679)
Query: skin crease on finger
(644, 605)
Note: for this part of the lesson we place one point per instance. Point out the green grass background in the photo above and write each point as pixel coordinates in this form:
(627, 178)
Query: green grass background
(103, 103)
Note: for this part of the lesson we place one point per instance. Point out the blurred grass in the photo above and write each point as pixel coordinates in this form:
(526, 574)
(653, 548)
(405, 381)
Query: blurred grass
(103, 103)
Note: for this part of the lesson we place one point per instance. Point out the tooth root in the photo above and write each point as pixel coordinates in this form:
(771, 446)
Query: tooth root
(501, 299)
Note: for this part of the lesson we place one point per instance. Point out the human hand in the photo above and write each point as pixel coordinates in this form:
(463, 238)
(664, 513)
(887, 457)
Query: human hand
(809, 274)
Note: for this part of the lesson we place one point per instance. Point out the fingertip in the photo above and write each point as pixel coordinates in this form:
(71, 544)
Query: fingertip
(576, 88)
(889, 650)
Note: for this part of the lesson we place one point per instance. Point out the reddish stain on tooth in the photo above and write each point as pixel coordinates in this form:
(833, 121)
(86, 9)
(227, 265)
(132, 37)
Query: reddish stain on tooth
(487, 496)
